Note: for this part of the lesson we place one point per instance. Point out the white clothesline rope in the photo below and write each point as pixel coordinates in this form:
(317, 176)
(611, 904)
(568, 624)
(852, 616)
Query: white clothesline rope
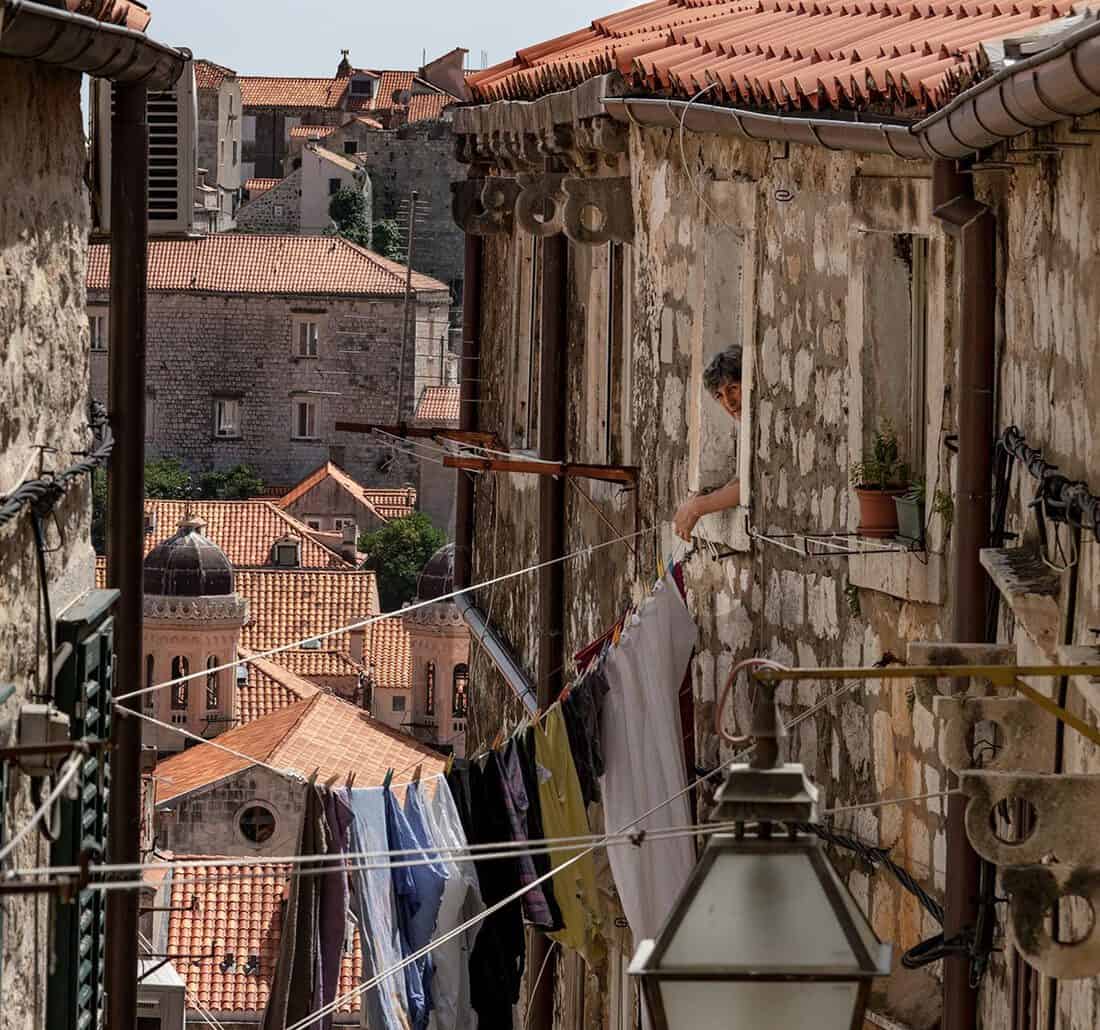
(363, 623)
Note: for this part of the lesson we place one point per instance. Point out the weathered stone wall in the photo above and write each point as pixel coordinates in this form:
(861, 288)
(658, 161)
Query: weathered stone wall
(204, 346)
(278, 209)
(44, 223)
(266, 153)
(415, 157)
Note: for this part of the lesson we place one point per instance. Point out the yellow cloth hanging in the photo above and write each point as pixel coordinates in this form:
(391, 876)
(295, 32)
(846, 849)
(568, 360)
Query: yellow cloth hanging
(564, 815)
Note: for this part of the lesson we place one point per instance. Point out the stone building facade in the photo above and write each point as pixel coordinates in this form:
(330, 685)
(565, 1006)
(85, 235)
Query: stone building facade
(259, 344)
(218, 140)
(832, 271)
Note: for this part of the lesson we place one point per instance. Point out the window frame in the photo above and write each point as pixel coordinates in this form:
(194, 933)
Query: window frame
(335, 185)
(463, 677)
(429, 688)
(362, 80)
(307, 338)
(354, 144)
(298, 403)
(180, 692)
(99, 317)
(213, 685)
(221, 403)
(398, 708)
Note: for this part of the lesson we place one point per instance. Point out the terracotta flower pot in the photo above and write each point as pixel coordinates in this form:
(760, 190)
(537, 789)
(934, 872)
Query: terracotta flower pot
(878, 515)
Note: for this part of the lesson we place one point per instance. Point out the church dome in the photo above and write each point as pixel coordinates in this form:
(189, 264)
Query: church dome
(437, 577)
(188, 564)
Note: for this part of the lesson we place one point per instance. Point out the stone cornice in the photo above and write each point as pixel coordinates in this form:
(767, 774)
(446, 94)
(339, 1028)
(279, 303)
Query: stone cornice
(231, 609)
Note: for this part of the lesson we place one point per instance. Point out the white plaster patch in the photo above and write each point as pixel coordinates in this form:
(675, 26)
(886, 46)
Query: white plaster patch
(793, 599)
(932, 782)
(823, 613)
(764, 415)
(924, 728)
(766, 295)
(885, 757)
(668, 334)
(828, 508)
(769, 355)
(771, 601)
(939, 860)
(807, 450)
(803, 371)
(672, 413)
(781, 493)
(807, 659)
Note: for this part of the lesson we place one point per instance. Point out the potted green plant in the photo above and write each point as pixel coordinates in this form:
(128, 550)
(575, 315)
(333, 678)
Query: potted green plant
(878, 479)
(910, 506)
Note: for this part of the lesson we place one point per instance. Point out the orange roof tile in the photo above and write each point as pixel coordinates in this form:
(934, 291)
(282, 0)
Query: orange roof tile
(271, 91)
(270, 687)
(382, 501)
(312, 131)
(389, 653)
(290, 265)
(286, 605)
(236, 909)
(209, 75)
(129, 13)
(257, 186)
(392, 504)
(777, 53)
(307, 664)
(321, 732)
(245, 530)
(439, 404)
(429, 107)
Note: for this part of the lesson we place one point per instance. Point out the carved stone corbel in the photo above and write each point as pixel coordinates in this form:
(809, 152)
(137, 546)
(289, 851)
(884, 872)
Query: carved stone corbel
(1033, 891)
(540, 204)
(598, 211)
(484, 207)
(1027, 733)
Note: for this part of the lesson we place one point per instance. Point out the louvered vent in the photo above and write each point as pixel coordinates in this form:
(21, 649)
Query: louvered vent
(171, 118)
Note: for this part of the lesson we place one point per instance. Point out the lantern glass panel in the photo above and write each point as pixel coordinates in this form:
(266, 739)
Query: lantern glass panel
(744, 1005)
(766, 910)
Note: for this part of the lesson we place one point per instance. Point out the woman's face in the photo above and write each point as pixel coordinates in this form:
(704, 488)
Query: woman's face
(729, 396)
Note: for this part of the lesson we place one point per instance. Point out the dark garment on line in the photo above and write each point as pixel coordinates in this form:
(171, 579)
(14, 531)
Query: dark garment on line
(498, 958)
(517, 804)
(295, 986)
(583, 710)
(333, 906)
(525, 751)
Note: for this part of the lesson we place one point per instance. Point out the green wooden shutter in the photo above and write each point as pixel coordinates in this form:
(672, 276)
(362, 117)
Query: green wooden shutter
(83, 691)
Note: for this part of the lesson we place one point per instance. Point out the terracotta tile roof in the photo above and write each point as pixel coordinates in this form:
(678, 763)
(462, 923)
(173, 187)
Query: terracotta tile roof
(289, 265)
(271, 91)
(438, 404)
(257, 186)
(778, 54)
(307, 664)
(312, 131)
(237, 910)
(429, 107)
(269, 688)
(292, 604)
(389, 649)
(341, 160)
(244, 530)
(130, 13)
(209, 75)
(321, 733)
(375, 499)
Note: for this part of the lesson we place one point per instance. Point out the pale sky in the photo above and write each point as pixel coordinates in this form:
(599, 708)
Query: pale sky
(295, 37)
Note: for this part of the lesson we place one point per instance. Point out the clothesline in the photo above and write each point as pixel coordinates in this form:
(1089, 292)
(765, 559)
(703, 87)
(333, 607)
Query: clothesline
(363, 623)
(69, 773)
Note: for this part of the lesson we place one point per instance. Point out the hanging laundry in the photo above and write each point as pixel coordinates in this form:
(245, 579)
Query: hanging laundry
(525, 753)
(583, 712)
(373, 905)
(461, 902)
(535, 906)
(644, 758)
(407, 882)
(295, 987)
(333, 905)
(564, 815)
(500, 953)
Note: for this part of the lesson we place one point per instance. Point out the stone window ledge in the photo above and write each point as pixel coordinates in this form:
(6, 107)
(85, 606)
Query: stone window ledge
(1031, 589)
(904, 575)
(728, 528)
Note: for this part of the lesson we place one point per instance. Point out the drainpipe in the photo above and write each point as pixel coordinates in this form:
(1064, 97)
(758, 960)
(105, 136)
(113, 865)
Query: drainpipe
(468, 377)
(974, 226)
(553, 357)
(126, 524)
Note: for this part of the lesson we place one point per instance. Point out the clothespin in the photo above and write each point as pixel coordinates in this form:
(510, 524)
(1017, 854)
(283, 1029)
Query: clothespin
(498, 740)
(351, 779)
(449, 765)
(332, 781)
(416, 773)
(389, 779)
(313, 776)
(617, 635)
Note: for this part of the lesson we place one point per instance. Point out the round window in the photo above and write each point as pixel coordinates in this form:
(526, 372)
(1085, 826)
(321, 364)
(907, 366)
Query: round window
(257, 824)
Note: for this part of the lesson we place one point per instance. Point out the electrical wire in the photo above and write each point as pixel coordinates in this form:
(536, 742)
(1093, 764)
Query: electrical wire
(327, 634)
(68, 774)
(740, 233)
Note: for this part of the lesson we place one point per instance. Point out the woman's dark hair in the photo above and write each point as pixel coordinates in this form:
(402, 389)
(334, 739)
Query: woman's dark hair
(724, 368)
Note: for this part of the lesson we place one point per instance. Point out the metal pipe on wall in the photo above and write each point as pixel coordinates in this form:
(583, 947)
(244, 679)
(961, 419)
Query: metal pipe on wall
(974, 226)
(126, 530)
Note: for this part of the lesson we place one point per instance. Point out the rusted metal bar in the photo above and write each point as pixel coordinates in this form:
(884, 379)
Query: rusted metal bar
(570, 470)
(126, 523)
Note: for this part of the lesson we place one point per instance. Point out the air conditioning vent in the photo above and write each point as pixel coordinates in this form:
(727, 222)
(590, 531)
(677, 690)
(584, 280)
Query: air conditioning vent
(172, 117)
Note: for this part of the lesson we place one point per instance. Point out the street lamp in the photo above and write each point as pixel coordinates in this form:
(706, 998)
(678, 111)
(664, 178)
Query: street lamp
(764, 936)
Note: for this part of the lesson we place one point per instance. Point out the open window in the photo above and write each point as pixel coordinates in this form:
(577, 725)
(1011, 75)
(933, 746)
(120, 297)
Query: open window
(181, 668)
(227, 417)
(429, 688)
(304, 425)
(213, 689)
(97, 328)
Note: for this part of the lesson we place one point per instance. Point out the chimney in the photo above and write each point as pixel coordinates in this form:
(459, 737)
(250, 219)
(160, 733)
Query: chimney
(343, 69)
(348, 543)
(359, 643)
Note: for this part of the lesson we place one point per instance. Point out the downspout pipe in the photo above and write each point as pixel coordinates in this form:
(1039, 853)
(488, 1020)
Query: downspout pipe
(973, 225)
(469, 378)
(126, 525)
(499, 654)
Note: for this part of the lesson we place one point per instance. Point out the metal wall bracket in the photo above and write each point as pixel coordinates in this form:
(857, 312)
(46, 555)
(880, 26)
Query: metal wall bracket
(540, 205)
(1034, 891)
(484, 207)
(598, 211)
(1062, 826)
(1028, 733)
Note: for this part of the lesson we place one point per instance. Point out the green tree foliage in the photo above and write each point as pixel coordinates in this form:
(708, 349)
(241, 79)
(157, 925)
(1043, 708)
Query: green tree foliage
(396, 553)
(348, 209)
(387, 240)
(167, 479)
(236, 484)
